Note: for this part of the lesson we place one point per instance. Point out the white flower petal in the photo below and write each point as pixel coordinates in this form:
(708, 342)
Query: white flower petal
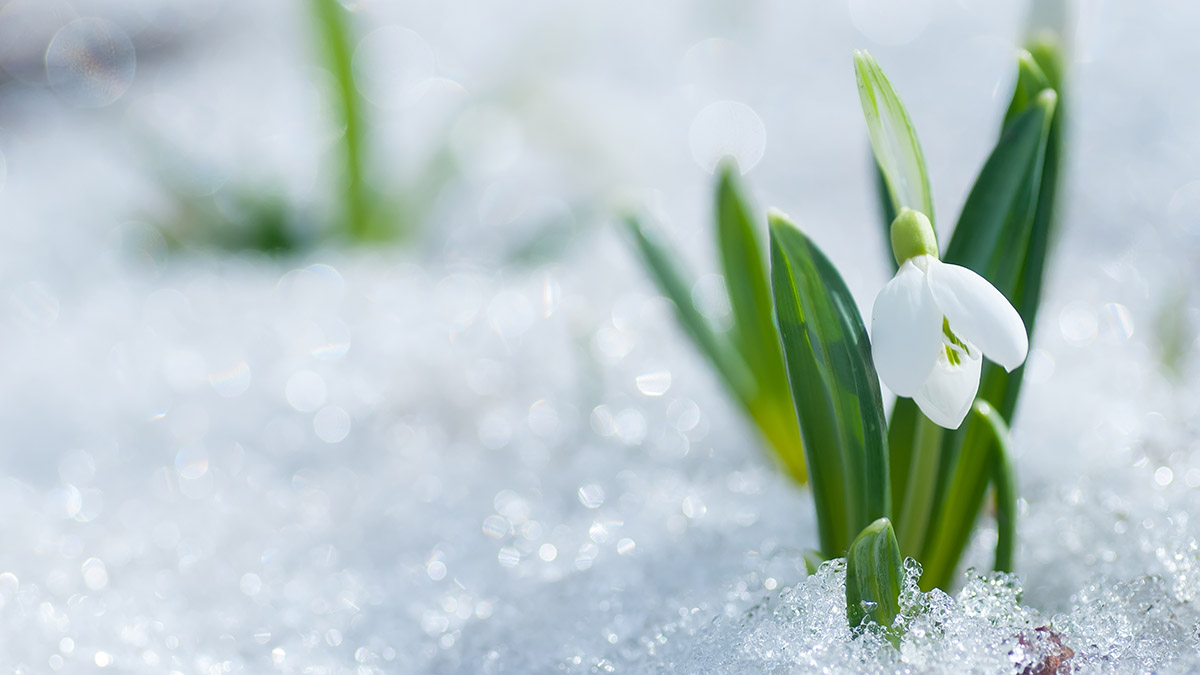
(906, 329)
(979, 314)
(948, 392)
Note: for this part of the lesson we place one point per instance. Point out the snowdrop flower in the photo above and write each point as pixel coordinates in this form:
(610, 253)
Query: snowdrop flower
(933, 321)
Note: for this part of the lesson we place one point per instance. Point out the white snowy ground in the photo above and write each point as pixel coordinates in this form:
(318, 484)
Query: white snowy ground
(434, 461)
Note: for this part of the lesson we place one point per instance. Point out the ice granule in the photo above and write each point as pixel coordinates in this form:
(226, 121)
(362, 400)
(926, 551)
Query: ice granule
(802, 628)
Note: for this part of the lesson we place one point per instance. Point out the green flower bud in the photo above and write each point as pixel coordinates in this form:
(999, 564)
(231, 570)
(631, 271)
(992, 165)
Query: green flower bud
(912, 236)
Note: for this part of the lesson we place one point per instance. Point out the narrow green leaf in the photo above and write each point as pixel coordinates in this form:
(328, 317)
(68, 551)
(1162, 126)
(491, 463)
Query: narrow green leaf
(1003, 234)
(674, 285)
(745, 273)
(1048, 55)
(338, 39)
(893, 138)
(997, 218)
(1030, 82)
(874, 576)
(834, 386)
(754, 335)
(1003, 478)
(1047, 50)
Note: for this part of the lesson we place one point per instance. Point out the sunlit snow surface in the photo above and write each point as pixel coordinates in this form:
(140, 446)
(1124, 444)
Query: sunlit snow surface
(441, 460)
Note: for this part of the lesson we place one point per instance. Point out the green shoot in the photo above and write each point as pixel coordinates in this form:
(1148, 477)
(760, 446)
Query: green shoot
(337, 37)
(874, 578)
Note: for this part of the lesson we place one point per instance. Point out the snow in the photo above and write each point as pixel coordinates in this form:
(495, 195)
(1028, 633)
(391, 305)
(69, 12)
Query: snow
(454, 457)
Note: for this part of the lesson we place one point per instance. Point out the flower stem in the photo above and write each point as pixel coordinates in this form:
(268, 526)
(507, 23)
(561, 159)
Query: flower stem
(913, 523)
(959, 506)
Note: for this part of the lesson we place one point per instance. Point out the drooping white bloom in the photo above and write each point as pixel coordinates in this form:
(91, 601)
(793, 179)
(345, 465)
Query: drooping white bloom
(931, 324)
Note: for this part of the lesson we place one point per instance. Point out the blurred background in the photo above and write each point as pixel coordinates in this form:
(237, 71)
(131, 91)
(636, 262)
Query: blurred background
(321, 346)
(494, 134)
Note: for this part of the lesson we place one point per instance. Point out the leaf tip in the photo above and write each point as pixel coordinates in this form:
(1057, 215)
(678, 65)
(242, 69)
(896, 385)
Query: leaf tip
(1025, 59)
(777, 218)
(1048, 99)
(778, 223)
(728, 169)
(880, 526)
(863, 61)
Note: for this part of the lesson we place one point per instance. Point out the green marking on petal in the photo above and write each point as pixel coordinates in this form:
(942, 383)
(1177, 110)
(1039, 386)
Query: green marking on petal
(952, 356)
(955, 347)
(954, 339)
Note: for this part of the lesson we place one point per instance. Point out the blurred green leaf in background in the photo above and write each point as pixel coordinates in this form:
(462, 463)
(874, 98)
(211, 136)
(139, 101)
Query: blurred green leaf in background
(749, 358)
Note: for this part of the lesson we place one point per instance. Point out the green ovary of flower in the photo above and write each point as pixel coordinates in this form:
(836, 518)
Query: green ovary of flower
(912, 235)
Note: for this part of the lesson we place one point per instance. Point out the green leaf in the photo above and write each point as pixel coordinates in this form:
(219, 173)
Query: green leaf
(1047, 51)
(336, 34)
(1003, 234)
(874, 576)
(674, 285)
(996, 222)
(1030, 82)
(745, 273)
(1004, 482)
(893, 138)
(834, 386)
(1049, 57)
(754, 334)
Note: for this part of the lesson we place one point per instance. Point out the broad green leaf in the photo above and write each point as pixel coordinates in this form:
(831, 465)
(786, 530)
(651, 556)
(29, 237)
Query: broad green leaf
(675, 286)
(874, 576)
(893, 138)
(754, 334)
(1004, 482)
(834, 387)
